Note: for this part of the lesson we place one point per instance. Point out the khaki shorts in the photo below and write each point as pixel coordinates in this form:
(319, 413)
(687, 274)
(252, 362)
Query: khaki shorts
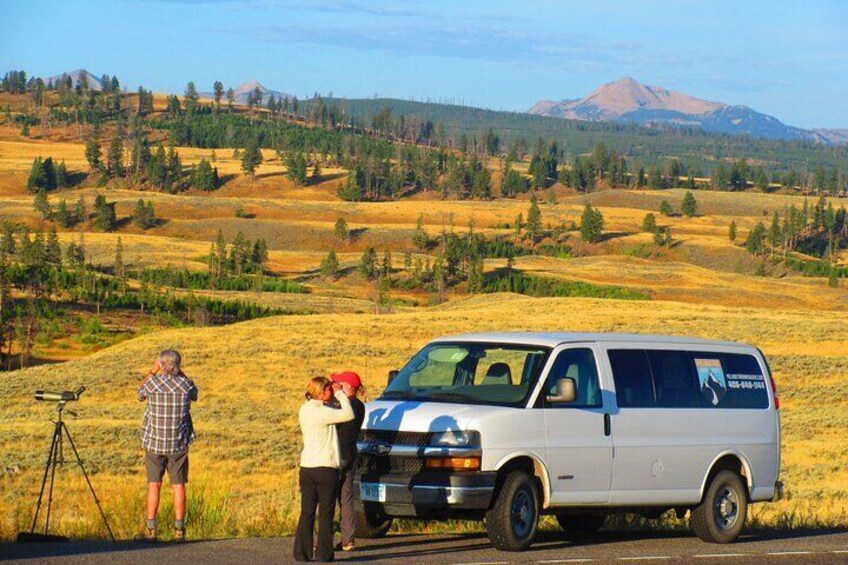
(176, 465)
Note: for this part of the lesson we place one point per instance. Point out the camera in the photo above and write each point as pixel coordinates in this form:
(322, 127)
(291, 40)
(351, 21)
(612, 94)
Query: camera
(65, 396)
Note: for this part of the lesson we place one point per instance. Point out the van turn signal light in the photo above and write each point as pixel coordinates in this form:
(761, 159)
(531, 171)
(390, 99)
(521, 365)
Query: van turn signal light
(453, 463)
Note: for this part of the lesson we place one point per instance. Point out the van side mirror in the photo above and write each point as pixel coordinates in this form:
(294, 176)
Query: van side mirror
(392, 375)
(565, 392)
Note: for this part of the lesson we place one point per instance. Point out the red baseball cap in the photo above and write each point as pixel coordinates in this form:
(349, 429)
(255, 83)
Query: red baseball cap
(348, 377)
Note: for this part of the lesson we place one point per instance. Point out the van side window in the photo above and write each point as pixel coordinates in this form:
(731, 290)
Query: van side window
(634, 387)
(675, 379)
(730, 380)
(577, 364)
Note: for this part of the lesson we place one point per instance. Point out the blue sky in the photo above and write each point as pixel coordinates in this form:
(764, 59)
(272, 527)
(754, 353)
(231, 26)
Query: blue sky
(785, 58)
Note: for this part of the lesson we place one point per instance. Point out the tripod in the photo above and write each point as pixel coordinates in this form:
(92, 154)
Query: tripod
(56, 457)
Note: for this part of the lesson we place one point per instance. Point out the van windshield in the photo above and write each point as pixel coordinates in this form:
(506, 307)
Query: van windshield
(470, 373)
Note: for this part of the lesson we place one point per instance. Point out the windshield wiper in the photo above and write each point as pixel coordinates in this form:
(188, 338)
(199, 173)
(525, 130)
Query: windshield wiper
(456, 396)
(395, 395)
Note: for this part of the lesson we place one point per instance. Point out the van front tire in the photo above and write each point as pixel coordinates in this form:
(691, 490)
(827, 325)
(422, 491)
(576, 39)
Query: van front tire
(512, 521)
(372, 525)
(721, 515)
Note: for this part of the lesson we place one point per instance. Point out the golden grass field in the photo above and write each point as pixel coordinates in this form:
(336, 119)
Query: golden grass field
(251, 375)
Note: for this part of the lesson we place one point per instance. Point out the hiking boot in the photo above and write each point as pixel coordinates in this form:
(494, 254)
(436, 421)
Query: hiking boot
(146, 535)
(179, 535)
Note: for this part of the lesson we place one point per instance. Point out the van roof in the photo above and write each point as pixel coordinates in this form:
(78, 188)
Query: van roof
(552, 339)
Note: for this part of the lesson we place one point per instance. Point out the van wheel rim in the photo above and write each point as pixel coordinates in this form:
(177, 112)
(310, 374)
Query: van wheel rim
(521, 514)
(726, 508)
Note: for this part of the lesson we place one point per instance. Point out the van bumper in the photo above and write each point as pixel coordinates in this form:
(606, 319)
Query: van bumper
(428, 495)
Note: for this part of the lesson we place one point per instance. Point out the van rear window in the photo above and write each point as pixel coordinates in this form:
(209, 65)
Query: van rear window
(731, 380)
(685, 379)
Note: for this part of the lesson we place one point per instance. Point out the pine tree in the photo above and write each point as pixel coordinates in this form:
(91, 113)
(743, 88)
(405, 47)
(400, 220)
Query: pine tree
(775, 235)
(42, 205)
(386, 266)
(534, 218)
(649, 224)
(251, 158)
(191, 97)
(420, 239)
(104, 214)
(93, 153)
(755, 243)
(119, 270)
(62, 175)
(591, 225)
(156, 171)
(665, 208)
(296, 165)
(475, 275)
(80, 210)
(53, 250)
(662, 237)
(731, 231)
(340, 230)
(316, 172)
(218, 89)
(115, 156)
(37, 179)
(368, 263)
(63, 216)
(139, 215)
(330, 265)
(690, 205)
(203, 177)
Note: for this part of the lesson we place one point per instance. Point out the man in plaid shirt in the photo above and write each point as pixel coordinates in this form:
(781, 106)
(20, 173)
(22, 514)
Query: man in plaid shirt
(167, 432)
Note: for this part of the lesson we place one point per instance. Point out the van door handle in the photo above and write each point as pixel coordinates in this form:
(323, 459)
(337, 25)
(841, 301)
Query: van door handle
(607, 425)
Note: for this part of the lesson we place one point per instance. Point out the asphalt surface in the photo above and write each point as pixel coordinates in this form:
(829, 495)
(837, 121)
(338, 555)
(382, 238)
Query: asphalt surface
(762, 547)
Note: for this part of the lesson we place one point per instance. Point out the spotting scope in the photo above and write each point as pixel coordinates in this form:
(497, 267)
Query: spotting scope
(68, 395)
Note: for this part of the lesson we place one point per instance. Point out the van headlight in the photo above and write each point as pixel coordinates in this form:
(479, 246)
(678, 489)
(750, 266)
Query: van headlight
(469, 438)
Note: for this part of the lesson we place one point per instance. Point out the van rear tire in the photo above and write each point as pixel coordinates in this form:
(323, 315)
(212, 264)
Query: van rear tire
(721, 515)
(513, 519)
(581, 523)
(372, 525)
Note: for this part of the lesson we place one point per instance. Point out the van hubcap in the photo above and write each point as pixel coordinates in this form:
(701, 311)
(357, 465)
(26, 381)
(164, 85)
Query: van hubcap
(726, 509)
(522, 514)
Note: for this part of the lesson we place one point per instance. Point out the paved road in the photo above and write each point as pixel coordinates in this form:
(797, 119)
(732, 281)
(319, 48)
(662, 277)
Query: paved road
(767, 547)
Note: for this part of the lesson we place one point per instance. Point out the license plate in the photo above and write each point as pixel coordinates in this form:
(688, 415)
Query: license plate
(372, 492)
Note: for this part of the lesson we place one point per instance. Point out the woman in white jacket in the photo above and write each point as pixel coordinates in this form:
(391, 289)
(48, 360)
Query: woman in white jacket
(319, 466)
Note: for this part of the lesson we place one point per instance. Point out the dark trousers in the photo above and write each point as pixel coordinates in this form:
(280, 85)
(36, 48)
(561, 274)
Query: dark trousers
(317, 490)
(346, 508)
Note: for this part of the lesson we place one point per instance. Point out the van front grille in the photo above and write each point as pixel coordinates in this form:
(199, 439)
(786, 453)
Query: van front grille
(368, 463)
(416, 439)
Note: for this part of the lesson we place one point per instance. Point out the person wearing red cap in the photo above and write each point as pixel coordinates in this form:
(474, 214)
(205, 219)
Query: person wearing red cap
(348, 433)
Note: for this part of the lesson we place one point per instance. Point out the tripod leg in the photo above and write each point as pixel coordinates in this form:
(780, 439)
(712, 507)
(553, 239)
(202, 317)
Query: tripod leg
(57, 454)
(91, 488)
(50, 456)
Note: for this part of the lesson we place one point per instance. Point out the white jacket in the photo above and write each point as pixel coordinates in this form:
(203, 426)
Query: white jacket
(317, 424)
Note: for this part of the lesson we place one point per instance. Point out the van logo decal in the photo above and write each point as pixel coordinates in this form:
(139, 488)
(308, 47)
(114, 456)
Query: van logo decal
(565, 477)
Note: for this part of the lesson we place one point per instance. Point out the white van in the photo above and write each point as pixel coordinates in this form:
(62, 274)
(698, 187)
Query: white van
(508, 426)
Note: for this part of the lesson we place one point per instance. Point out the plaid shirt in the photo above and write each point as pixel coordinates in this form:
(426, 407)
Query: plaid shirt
(167, 428)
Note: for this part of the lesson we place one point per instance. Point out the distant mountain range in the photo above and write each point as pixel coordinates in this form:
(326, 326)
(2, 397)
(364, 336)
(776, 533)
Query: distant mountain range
(628, 100)
(242, 92)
